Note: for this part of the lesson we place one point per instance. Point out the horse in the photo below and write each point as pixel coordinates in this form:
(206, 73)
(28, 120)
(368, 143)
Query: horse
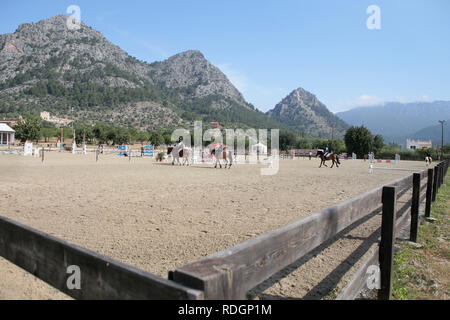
(160, 157)
(428, 160)
(222, 154)
(184, 153)
(176, 153)
(333, 157)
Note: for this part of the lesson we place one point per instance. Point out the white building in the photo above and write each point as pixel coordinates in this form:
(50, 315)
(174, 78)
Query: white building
(6, 134)
(415, 145)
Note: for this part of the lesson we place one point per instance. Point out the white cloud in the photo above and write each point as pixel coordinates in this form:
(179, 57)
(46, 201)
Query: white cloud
(362, 100)
(366, 100)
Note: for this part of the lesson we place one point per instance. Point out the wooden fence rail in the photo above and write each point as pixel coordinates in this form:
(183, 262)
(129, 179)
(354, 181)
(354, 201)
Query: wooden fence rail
(49, 259)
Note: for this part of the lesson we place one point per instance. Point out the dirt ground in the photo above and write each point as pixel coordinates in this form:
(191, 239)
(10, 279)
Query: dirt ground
(158, 217)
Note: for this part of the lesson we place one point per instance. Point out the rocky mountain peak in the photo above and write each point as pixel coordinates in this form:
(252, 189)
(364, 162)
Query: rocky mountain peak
(190, 69)
(302, 111)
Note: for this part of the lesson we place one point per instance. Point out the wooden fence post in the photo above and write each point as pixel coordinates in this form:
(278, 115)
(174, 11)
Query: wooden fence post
(415, 207)
(445, 167)
(438, 185)
(435, 182)
(386, 255)
(43, 149)
(429, 193)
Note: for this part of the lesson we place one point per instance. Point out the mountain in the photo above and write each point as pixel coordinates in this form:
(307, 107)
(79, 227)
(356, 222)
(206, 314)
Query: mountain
(434, 133)
(397, 121)
(304, 113)
(46, 66)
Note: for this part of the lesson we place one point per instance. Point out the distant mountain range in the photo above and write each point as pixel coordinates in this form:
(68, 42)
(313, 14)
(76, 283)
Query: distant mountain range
(397, 122)
(45, 66)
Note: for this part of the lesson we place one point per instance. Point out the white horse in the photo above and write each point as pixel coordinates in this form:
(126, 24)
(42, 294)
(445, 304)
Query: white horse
(175, 153)
(428, 161)
(219, 154)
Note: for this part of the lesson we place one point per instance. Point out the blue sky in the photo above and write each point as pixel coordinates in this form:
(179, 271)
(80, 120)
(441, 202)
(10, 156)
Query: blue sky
(269, 48)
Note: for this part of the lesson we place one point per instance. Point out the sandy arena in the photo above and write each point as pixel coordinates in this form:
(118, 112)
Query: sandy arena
(158, 217)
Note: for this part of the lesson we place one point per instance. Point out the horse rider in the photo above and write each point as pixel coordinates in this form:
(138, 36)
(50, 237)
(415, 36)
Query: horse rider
(326, 153)
(180, 144)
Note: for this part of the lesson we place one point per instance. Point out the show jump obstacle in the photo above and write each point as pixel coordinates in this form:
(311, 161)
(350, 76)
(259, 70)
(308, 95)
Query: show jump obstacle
(122, 150)
(231, 273)
(148, 151)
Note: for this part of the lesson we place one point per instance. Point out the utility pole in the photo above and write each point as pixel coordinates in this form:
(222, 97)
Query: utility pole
(442, 139)
(74, 143)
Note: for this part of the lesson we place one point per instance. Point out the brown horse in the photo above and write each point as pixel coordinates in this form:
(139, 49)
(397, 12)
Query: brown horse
(333, 157)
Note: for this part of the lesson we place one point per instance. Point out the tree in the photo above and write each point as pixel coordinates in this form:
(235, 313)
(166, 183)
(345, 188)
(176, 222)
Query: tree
(143, 137)
(81, 130)
(378, 143)
(47, 133)
(358, 140)
(287, 140)
(120, 136)
(28, 128)
(336, 146)
(156, 138)
(101, 131)
(168, 139)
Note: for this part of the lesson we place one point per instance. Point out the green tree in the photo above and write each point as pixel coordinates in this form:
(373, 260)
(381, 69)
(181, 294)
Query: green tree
(101, 131)
(336, 146)
(378, 143)
(168, 139)
(120, 136)
(157, 139)
(28, 128)
(143, 137)
(288, 140)
(358, 140)
(47, 133)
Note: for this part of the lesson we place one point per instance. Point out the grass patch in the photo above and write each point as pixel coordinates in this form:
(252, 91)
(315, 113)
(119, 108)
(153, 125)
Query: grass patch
(424, 273)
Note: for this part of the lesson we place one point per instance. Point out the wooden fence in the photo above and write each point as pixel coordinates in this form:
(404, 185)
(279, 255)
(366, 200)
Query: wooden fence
(382, 256)
(231, 273)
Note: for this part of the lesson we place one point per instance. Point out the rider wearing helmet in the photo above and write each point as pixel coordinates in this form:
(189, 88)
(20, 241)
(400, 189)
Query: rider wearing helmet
(326, 152)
